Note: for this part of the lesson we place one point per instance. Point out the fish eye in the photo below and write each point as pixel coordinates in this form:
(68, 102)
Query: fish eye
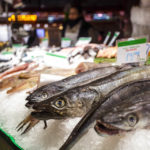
(60, 103)
(132, 120)
(44, 95)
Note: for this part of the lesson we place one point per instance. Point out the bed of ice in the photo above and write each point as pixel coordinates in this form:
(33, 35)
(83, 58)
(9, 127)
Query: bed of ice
(13, 111)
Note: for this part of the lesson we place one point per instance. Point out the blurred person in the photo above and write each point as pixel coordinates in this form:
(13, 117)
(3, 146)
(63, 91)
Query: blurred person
(33, 39)
(17, 33)
(75, 26)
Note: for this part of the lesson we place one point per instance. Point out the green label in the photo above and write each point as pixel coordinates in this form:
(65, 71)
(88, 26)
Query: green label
(65, 39)
(45, 39)
(132, 42)
(50, 54)
(85, 38)
(109, 33)
(7, 53)
(17, 45)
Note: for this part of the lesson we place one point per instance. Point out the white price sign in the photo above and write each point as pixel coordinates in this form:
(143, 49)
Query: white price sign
(132, 51)
(83, 41)
(65, 42)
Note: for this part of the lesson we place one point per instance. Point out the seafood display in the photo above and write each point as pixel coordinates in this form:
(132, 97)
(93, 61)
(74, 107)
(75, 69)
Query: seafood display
(35, 89)
(124, 109)
(77, 101)
(86, 51)
(48, 91)
(29, 79)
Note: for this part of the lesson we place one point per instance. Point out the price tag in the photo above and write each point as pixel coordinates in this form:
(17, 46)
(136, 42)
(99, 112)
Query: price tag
(132, 51)
(83, 41)
(65, 42)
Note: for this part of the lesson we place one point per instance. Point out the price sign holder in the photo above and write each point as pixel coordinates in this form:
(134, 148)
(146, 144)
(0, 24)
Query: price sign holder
(65, 42)
(132, 51)
(83, 41)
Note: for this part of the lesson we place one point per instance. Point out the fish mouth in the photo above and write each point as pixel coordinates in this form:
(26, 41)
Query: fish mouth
(43, 115)
(30, 104)
(106, 129)
(29, 98)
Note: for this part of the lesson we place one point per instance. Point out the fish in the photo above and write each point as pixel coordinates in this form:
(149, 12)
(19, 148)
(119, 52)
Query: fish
(55, 88)
(15, 81)
(73, 103)
(109, 52)
(24, 79)
(85, 66)
(8, 82)
(125, 109)
(25, 84)
(14, 69)
(86, 51)
(101, 87)
(59, 72)
(77, 101)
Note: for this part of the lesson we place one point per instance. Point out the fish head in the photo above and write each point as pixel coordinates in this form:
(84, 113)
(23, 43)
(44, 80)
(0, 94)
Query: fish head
(125, 117)
(41, 94)
(70, 104)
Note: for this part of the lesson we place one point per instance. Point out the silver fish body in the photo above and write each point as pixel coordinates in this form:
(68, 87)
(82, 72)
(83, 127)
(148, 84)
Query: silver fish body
(82, 98)
(117, 79)
(53, 89)
(130, 98)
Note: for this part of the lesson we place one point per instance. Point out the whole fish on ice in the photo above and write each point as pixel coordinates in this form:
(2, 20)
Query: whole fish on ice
(53, 89)
(76, 102)
(125, 109)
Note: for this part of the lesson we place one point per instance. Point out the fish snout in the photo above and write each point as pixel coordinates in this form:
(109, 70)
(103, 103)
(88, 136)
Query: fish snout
(30, 104)
(28, 98)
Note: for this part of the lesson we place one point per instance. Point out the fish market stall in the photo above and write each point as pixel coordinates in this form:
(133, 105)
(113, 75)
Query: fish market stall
(74, 75)
(24, 127)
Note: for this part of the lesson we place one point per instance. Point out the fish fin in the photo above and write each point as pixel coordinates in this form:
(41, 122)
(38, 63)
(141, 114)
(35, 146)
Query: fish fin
(28, 120)
(20, 126)
(29, 127)
(45, 124)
